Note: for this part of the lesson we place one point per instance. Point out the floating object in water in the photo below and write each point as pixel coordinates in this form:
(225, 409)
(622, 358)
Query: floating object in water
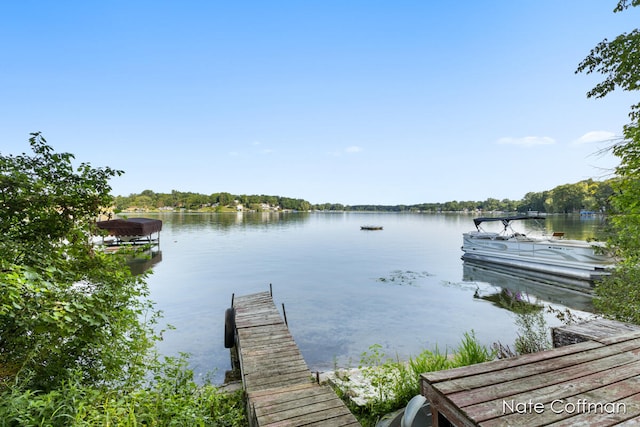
(370, 227)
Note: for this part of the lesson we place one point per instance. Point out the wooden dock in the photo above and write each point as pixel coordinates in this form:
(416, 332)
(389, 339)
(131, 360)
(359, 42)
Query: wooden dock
(595, 382)
(280, 388)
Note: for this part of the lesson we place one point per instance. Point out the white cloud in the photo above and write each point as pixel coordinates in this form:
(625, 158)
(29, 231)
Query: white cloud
(527, 141)
(595, 136)
(350, 150)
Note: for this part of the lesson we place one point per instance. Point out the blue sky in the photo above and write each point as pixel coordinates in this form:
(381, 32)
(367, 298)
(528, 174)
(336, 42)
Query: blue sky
(380, 102)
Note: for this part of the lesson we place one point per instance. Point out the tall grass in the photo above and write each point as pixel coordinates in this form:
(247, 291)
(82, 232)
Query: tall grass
(171, 399)
(471, 352)
(395, 382)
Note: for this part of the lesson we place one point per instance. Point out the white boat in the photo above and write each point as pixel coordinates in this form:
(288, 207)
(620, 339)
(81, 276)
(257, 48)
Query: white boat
(549, 254)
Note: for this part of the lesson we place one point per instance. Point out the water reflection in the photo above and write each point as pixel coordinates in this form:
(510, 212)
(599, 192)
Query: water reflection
(516, 302)
(551, 289)
(141, 261)
(229, 220)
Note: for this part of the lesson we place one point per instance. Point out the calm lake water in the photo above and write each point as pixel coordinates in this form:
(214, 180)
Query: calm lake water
(344, 289)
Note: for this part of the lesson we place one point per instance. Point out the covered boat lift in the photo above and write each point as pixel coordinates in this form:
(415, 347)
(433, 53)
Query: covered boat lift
(133, 230)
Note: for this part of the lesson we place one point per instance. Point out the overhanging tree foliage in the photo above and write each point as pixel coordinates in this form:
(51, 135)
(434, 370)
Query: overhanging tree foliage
(619, 61)
(65, 309)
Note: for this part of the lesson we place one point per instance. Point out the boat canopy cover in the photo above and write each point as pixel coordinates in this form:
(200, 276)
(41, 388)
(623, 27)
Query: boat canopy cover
(131, 227)
(505, 220)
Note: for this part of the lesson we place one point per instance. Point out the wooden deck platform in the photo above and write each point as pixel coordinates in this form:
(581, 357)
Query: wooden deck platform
(595, 330)
(592, 383)
(280, 388)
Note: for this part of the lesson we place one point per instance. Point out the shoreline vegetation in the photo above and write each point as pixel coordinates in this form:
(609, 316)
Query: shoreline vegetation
(172, 397)
(587, 195)
(381, 384)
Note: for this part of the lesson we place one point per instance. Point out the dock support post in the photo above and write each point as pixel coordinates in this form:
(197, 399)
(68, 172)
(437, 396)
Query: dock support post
(284, 312)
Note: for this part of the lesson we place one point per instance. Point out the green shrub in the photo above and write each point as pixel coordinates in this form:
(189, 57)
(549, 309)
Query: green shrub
(64, 306)
(171, 399)
(533, 332)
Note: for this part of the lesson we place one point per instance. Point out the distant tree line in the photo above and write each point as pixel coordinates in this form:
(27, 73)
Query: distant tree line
(568, 198)
(216, 201)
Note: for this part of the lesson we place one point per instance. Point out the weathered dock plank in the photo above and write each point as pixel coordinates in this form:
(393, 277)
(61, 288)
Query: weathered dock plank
(595, 330)
(591, 383)
(549, 393)
(279, 385)
(545, 372)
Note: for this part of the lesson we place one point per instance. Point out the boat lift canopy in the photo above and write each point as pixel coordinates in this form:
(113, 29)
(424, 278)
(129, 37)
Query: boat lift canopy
(131, 227)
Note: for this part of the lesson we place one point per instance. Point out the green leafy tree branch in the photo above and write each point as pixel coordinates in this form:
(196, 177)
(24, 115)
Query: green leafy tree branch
(619, 61)
(65, 308)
